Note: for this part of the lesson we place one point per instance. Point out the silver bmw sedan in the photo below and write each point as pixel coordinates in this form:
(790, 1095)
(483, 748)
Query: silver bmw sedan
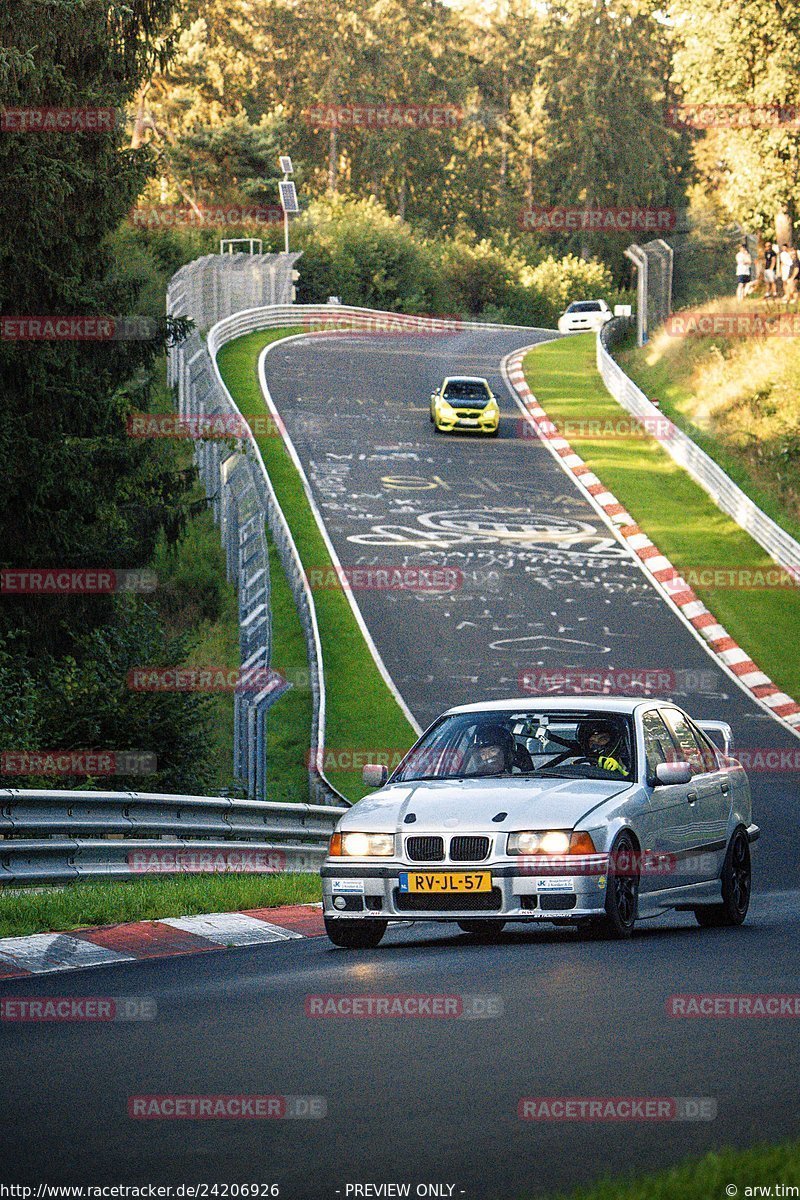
(590, 811)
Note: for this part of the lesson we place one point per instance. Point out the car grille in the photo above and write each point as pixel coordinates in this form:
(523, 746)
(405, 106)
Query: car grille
(449, 902)
(425, 849)
(469, 849)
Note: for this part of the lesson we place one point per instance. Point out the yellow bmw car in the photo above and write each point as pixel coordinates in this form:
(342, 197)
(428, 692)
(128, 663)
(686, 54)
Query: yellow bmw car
(465, 403)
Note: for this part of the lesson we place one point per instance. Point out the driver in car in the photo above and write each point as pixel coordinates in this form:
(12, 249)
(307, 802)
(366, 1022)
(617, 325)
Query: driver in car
(601, 743)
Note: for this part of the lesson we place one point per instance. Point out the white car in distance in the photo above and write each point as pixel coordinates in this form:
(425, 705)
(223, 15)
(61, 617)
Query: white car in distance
(584, 316)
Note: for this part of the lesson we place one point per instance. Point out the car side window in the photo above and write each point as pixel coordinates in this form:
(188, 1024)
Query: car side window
(686, 742)
(658, 744)
(710, 762)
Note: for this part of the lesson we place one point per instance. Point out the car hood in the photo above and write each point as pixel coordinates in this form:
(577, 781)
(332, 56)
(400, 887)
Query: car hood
(473, 804)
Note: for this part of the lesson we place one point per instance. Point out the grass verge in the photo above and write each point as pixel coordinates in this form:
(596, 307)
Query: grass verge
(669, 506)
(111, 902)
(362, 713)
(708, 1178)
(737, 398)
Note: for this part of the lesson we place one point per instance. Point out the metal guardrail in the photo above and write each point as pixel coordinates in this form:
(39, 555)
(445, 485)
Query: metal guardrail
(57, 836)
(712, 479)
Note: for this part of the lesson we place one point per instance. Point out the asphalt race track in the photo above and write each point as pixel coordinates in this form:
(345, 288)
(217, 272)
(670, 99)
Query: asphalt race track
(434, 1101)
(544, 585)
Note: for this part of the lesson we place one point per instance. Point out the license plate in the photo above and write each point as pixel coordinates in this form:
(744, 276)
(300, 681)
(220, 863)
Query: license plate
(468, 420)
(461, 881)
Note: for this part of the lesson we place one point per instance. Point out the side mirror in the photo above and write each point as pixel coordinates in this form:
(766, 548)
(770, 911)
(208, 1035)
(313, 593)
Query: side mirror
(673, 772)
(374, 776)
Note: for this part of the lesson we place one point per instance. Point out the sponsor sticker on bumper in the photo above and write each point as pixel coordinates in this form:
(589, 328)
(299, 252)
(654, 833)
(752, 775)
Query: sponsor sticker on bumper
(552, 883)
(347, 887)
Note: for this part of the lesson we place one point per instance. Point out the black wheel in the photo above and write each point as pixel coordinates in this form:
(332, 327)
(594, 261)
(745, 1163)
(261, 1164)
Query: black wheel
(736, 886)
(495, 432)
(355, 935)
(482, 929)
(622, 892)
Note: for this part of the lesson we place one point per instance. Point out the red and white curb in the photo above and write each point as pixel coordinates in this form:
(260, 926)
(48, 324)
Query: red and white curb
(656, 565)
(42, 953)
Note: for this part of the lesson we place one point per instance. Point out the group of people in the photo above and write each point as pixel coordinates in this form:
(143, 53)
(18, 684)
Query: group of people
(778, 266)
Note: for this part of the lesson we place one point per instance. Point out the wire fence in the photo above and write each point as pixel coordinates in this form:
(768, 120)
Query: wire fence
(654, 270)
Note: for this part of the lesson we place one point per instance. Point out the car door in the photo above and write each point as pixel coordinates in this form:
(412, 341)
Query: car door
(667, 843)
(708, 799)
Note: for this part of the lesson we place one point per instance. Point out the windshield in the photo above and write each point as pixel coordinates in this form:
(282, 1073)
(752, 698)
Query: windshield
(578, 744)
(467, 393)
(584, 306)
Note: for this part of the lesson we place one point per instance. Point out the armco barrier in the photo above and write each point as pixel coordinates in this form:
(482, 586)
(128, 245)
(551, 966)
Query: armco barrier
(57, 836)
(712, 479)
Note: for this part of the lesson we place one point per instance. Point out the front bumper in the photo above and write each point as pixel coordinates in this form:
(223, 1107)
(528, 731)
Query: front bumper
(352, 891)
(467, 424)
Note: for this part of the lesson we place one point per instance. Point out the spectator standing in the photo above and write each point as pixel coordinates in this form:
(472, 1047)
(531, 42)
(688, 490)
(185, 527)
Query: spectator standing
(790, 288)
(743, 264)
(770, 267)
(785, 267)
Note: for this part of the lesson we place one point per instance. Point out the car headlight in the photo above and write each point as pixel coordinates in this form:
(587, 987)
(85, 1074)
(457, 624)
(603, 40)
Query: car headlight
(446, 407)
(491, 410)
(362, 845)
(550, 841)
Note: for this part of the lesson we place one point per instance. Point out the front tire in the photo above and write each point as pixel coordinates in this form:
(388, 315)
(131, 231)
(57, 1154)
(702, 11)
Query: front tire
(737, 878)
(355, 935)
(487, 929)
(622, 892)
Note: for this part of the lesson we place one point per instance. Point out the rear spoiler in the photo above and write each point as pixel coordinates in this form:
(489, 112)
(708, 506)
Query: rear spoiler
(719, 727)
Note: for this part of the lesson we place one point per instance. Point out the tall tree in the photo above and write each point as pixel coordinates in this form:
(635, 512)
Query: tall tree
(745, 54)
(78, 491)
